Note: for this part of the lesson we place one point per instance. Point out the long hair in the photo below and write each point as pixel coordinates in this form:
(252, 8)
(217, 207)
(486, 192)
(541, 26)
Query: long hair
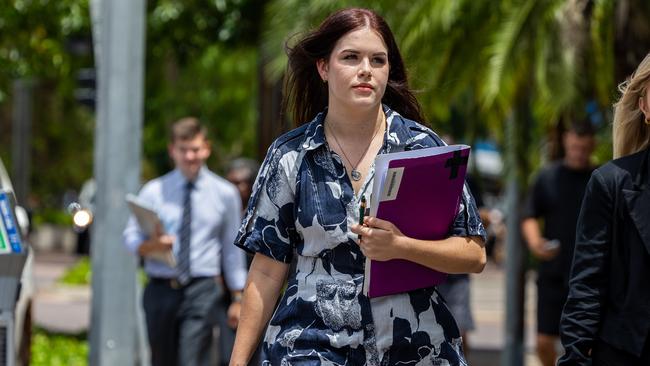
(305, 94)
(630, 132)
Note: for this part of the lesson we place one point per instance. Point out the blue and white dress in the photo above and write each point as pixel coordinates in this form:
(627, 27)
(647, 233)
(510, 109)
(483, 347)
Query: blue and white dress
(301, 209)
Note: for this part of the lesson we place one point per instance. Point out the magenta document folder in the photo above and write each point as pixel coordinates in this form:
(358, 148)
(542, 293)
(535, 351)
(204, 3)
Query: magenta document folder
(419, 191)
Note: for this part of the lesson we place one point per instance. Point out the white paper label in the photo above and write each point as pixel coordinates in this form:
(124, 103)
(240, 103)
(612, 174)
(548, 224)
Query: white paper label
(391, 184)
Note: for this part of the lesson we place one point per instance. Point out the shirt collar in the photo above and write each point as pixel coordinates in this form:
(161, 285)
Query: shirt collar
(180, 180)
(397, 131)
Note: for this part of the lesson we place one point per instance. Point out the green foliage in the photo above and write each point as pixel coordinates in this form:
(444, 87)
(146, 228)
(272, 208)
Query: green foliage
(201, 59)
(51, 349)
(36, 44)
(52, 216)
(79, 274)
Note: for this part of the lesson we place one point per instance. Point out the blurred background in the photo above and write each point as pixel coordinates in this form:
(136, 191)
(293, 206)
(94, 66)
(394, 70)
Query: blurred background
(502, 76)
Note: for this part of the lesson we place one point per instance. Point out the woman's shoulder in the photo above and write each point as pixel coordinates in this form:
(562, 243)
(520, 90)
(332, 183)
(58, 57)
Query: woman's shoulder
(409, 131)
(289, 141)
(619, 173)
(617, 169)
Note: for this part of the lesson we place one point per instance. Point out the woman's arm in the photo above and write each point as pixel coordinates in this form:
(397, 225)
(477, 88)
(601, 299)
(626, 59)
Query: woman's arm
(265, 280)
(381, 240)
(581, 317)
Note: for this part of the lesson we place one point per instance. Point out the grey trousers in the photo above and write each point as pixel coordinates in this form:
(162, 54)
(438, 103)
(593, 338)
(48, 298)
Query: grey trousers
(180, 320)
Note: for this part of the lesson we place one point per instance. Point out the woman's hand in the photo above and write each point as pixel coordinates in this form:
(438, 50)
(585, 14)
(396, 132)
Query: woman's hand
(380, 240)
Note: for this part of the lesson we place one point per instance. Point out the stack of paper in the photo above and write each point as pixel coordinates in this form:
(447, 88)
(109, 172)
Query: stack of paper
(150, 223)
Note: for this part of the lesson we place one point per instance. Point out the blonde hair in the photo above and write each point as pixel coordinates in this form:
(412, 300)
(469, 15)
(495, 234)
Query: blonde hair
(630, 132)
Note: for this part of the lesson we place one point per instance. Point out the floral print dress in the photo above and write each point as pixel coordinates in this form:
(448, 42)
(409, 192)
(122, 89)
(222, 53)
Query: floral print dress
(301, 208)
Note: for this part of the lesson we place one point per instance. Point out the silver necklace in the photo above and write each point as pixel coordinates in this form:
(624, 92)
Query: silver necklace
(355, 174)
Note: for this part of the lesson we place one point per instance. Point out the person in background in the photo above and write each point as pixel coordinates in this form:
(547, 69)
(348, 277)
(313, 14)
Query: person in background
(200, 213)
(606, 318)
(555, 197)
(242, 173)
(305, 207)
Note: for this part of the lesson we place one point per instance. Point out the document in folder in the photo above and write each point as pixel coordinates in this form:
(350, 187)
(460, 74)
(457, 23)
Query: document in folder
(418, 191)
(149, 222)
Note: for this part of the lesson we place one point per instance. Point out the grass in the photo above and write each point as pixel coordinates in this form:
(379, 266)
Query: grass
(81, 274)
(52, 349)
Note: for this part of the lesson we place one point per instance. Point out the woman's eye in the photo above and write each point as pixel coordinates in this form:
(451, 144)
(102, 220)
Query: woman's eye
(379, 60)
(350, 57)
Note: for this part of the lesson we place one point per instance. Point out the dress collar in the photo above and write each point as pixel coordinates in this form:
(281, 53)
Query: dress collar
(314, 135)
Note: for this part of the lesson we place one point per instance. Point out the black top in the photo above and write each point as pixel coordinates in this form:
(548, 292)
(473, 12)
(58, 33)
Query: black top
(555, 197)
(609, 291)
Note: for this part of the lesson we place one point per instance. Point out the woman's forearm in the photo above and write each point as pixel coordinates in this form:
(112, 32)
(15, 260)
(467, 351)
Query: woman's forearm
(452, 255)
(265, 280)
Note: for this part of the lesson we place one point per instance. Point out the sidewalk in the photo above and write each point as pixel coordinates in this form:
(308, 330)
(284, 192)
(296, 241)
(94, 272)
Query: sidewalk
(58, 308)
(66, 309)
(488, 307)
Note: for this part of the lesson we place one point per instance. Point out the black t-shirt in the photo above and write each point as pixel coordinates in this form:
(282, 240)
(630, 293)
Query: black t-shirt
(556, 197)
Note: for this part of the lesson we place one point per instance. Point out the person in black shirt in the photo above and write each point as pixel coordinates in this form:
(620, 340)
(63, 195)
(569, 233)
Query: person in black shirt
(555, 198)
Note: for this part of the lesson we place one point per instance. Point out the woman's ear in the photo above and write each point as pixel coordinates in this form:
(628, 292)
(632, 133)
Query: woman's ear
(322, 67)
(643, 106)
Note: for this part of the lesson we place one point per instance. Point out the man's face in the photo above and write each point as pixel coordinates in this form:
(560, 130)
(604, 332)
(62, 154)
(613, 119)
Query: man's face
(189, 155)
(578, 150)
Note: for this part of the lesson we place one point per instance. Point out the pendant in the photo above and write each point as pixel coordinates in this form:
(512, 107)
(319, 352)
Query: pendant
(356, 176)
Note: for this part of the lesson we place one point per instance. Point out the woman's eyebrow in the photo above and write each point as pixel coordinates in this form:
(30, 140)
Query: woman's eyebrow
(378, 53)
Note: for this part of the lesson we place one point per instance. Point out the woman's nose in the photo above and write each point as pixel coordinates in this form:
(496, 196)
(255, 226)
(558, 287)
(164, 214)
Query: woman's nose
(364, 68)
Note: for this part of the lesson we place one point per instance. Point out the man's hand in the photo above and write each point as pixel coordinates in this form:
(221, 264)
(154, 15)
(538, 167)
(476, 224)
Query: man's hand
(544, 249)
(233, 314)
(161, 243)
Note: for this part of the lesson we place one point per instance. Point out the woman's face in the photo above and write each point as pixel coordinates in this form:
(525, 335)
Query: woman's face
(357, 70)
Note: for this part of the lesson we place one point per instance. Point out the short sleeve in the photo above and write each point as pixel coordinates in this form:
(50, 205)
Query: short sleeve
(534, 204)
(468, 221)
(268, 227)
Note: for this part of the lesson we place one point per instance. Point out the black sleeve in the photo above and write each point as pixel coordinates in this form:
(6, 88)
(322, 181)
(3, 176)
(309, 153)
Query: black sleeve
(534, 205)
(581, 317)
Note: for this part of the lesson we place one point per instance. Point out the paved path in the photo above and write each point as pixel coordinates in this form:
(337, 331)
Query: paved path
(66, 309)
(59, 308)
(488, 307)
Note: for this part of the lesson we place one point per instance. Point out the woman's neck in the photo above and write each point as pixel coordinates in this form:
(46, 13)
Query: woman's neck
(355, 123)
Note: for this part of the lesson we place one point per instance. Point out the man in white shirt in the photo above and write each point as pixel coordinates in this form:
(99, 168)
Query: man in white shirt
(200, 214)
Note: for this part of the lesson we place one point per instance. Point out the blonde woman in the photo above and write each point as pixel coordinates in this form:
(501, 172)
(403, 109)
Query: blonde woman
(606, 319)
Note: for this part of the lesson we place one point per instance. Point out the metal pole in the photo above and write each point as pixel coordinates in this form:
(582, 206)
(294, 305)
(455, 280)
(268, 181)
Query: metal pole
(117, 171)
(21, 151)
(513, 353)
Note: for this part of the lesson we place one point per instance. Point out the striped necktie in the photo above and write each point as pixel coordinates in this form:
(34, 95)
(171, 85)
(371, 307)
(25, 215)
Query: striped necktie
(183, 263)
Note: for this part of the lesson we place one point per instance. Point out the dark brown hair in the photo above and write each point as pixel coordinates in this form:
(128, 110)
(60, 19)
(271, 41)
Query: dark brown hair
(306, 94)
(187, 128)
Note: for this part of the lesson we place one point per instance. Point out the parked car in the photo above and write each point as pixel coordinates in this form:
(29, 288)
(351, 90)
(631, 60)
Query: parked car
(23, 311)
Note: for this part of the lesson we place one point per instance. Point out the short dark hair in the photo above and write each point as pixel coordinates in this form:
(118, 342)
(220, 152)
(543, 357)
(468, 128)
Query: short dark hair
(582, 128)
(306, 94)
(187, 128)
(250, 166)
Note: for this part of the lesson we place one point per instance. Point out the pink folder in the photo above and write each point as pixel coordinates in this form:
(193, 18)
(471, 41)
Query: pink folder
(419, 191)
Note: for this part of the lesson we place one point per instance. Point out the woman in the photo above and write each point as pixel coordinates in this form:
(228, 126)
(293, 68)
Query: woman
(606, 319)
(306, 202)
